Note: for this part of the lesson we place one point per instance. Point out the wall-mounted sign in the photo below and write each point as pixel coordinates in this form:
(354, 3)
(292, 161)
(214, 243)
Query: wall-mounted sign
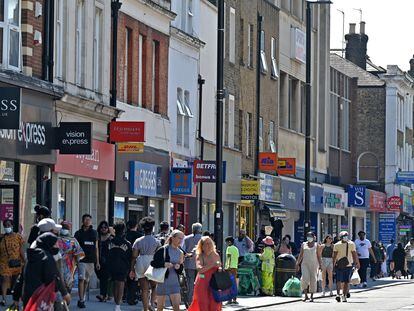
(181, 182)
(145, 179)
(377, 201)
(205, 171)
(121, 131)
(405, 178)
(270, 188)
(387, 228)
(286, 166)
(10, 108)
(268, 161)
(394, 204)
(333, 200)
(250, 190)
(6, 211)
(74, 138)
(130, 147)
(356, 196)
(298, 45)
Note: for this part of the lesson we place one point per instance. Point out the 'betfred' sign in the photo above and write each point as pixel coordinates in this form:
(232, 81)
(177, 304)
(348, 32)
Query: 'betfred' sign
(205, 171)
(122, 131)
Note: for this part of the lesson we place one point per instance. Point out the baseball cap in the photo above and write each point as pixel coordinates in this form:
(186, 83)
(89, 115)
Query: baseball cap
(48, 224)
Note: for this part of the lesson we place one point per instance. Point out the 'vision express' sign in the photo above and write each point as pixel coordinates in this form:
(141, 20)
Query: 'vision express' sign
(74, 138)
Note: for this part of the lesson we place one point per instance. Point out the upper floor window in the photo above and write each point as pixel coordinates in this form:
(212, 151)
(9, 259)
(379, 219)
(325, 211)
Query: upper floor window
(10, 34)
(275, 70)
(59, 38)
(250, 46)
(187, 15)
(97, 49)
(79, 41)
(263, 62)
(232, 36)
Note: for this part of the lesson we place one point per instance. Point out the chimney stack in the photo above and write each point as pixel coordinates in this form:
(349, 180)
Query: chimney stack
(356, 45)
(411, 71)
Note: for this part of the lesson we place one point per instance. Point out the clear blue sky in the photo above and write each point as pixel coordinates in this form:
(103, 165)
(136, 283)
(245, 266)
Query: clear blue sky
(389, 26)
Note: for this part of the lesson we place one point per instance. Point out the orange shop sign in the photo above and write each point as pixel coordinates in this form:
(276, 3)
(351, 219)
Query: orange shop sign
(268, 161)
(286, 166)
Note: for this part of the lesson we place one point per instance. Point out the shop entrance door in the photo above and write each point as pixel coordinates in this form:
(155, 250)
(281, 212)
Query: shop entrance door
(8, 203)
(246, 219)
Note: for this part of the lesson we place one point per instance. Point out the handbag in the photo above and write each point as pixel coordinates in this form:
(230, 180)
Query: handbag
(221, 280)
(226, 294)
(343, 262)
(156, 274)
(13, 263)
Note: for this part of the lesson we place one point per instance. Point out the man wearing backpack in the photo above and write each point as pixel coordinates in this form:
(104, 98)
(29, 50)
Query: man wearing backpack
(344, 256)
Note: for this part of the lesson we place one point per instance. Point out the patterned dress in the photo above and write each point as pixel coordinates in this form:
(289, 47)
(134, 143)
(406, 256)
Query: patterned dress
(71, 253)
(268, 266)
(10, 245)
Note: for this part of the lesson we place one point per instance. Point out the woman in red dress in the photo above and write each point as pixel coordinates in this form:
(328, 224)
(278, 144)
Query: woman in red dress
(208, 262)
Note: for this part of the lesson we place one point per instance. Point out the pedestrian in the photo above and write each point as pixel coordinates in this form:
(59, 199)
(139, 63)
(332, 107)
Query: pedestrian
(308, 263)
(143, 251)
(207, 262)
(375, 261)
(41, 212)
(119, 261)
(284, 247)
(190, 243)
(390, 250)
(232, 262)
(409, 251)
(268, 266)
(399, 261)
(41, 269)
(173, 260)
(103, 274)
(207, 233)
(47, 225)
(162, 236)
(88, 240)
(292, 245)
(132, 235)
(181, 228)
(326, 253)
(11, 257)
(71, 254)
(258, 245)
(364, 250)
(344, 255)
(244, 244)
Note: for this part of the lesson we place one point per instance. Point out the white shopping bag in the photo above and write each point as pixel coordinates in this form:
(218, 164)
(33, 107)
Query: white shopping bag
(355, 279)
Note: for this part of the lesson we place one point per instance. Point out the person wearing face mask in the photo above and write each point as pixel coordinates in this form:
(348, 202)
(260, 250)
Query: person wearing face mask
(47, 225)
(41, 269)
(11, 257)
(344, 256)
(71, 254)
(244, 244)
(308, 262)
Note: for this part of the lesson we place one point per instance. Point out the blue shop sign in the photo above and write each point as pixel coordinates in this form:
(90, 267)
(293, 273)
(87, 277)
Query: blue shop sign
(405, 178)
(386, 227)
(145, 179)
(181, 181)
(299, 228)
(357, 196)
(293, 196)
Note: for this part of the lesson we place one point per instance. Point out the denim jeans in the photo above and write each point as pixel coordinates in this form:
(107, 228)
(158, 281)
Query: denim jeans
(364, 262)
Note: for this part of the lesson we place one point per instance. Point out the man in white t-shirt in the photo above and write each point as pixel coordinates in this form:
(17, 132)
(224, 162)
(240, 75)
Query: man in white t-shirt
(363, 249)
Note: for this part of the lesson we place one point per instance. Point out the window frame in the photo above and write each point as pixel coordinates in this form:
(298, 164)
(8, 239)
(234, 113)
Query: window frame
(60, 15)
(274, 69)
(7, 29)
(250, 33)
(98, 47)
(232, 35)
(79, 45)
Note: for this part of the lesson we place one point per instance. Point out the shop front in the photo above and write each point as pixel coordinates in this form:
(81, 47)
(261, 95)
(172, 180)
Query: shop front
(334, 202)
(142, 185)
(80, 184)
(26, 157)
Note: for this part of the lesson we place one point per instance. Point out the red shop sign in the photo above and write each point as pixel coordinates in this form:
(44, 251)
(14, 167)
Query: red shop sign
(100, 164)
(120, 131)
(394, 204)
(377, 201)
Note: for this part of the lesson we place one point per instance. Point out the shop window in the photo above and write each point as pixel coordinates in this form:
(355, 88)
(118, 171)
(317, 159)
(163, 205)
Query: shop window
(84, 198)
(64, 202)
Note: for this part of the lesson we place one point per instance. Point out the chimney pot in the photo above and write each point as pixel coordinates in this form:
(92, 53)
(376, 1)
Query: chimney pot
(352, 28)
(362, 28)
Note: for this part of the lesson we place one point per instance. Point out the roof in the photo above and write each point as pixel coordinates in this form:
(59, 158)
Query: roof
(349, 69)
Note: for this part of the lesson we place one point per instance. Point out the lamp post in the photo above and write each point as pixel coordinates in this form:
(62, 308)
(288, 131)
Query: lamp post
(307, 223)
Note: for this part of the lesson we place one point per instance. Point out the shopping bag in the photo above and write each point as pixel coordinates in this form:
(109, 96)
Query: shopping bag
(292, 288)
(226, 294)
(221, 280)
(155, 274)
(355, 279)
(42, 299)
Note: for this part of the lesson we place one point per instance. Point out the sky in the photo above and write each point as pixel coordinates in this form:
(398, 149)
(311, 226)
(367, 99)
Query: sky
(388, 26)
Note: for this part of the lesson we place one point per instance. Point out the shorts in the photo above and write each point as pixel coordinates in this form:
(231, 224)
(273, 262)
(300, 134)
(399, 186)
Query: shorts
(119, 276)
(327, 263)
(232, 271)
(85, 270)
(343, 275)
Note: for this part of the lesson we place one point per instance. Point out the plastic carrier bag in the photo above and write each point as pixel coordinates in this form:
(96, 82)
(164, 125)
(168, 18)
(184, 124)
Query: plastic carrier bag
(292, 288)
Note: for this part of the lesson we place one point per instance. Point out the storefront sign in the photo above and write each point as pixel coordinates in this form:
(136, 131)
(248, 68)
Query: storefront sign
(145, 179)
(394, 204)
(74, 137)
(250, 190)
(386, 227)
(6, 211)
(268, 161)
(356, 196)
(270, 188)
(181, 181)
(100, 164)
(404, 229)
(130, 147)
(205, 171)
(299, 228)
(10, 108)
(406, 196)
(121, 131)
(6, 171)
(286, 166)
(293, 196)
(377, 201)
(405, 177)
(333, 200)
(299, 45)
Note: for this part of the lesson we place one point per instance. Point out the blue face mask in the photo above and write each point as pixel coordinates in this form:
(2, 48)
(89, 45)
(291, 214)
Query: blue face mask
(8, 230)
(345, 238)
(309, 238)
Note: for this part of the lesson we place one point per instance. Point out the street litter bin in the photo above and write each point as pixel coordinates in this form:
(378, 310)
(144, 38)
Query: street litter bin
(285, 268)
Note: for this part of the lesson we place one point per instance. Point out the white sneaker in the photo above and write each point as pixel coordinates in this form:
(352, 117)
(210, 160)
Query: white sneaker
(323, 294)
(117, 308)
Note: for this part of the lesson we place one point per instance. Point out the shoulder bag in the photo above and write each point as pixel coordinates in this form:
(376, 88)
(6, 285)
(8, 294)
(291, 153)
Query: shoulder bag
(156, 274)
(220, 280)
(343, 262)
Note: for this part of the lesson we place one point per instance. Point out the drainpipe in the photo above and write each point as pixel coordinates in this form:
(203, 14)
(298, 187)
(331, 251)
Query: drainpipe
(201, 82)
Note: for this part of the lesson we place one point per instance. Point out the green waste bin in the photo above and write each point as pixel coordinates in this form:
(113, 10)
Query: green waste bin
(285, 268)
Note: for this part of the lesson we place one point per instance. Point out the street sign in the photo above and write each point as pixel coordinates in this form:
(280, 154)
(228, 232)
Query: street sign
(394, 204)
(268, 161)
(120, 131)
(405, 177)
(10, 108)
(130, 147)
(74, 138)
(286, 166)
(250, 190)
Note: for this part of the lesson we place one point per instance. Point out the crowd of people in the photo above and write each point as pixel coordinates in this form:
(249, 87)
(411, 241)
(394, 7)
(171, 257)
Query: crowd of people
(127, 258)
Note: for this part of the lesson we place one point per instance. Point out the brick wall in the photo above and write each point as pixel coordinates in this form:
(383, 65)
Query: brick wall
(161, 85)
